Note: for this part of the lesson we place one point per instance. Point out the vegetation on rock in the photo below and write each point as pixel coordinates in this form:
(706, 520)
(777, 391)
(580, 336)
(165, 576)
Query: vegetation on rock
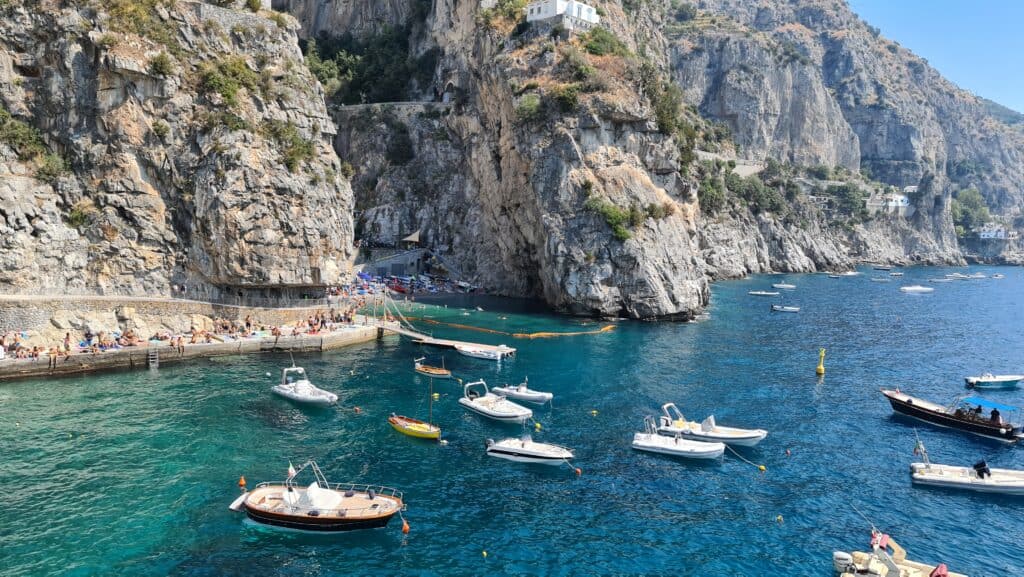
(294, 148)
(226, 77)
(969, 211)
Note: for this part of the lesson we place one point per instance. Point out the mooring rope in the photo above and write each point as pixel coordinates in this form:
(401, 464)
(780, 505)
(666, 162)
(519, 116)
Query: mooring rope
(761, 468)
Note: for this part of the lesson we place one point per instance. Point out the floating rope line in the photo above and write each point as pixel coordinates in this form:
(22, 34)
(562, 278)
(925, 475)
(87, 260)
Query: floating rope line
(540, 335)
(761, 468)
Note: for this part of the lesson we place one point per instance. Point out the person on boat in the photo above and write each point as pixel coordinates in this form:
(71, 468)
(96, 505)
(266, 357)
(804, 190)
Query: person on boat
(995, 416)
(977, 411)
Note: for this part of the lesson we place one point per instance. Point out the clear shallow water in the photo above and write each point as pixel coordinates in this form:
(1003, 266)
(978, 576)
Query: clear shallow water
(131, 473)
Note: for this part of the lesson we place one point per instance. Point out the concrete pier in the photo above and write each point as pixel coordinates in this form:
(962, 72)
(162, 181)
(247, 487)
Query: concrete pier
(138, 357)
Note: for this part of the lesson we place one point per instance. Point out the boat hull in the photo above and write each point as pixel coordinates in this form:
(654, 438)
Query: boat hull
(537, 397)
(1006, 433)
(316, 524)
(414, 428)
(688, 449)
(445, 375)
(521, 457)
(750, 440)
(317, 401)
(503, 417)
(993, 383)
(1003, 482)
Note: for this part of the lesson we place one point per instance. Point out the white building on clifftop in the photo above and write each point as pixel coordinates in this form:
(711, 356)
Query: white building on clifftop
(571, 14)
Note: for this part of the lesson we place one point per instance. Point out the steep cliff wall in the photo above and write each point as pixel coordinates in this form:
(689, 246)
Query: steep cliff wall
(809, 82)
(188, 144)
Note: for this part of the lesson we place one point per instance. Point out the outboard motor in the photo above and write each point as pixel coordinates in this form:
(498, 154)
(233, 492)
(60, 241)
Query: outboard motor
(981, 468)
(842, 562)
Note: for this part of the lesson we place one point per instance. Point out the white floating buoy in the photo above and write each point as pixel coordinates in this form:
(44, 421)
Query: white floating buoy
(268, 373)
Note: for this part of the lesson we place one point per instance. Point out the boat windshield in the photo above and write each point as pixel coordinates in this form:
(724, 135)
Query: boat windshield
(294, 375)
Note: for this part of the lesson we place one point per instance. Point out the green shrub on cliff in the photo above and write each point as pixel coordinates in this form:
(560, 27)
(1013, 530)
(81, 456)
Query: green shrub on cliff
(141, 17)
(600, 42)
(294, 148)
(614, 216)
(161, 65)
(51, 167)
(567, 96)
(226, 77)
(969, 211)
(528, 108)
(24, 139)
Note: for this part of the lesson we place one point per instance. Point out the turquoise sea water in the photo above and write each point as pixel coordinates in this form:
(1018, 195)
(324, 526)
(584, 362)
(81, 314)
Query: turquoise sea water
(131, 473)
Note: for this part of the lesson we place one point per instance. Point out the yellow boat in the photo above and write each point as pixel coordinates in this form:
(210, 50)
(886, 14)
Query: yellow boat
(414, 427)
(433, 372)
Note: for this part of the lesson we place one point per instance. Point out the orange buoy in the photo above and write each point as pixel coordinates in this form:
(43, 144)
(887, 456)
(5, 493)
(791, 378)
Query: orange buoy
(241, 482)
(405, 527)
(358, 410)
(579, 471)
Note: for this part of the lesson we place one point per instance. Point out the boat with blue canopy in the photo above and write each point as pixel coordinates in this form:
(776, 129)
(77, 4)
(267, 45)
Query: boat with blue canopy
(974, 415)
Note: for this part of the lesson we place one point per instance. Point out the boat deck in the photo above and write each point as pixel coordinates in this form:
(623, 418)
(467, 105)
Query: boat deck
(357, 506)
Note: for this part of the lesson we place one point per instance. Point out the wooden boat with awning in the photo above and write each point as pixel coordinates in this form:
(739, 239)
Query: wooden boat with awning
(320, 506)
(965, 414)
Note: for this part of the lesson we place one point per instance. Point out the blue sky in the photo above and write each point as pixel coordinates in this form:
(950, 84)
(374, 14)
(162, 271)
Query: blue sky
(978, 44)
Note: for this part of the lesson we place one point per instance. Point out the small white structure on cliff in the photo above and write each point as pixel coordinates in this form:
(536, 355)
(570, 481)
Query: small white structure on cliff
(571, 14)
(992, 231)
(890, 203)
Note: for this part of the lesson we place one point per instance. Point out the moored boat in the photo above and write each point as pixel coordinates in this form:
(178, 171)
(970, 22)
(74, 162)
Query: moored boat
(896, 274)
(477, 398)
(784, 309)
(880, 279)
(673, 423)
(881, 562)
(526, 450)
(431, 371)
(522, 392)
(763, 293)
(489, 353)
(414, 427)
(782, 285)
(651, 441)
(998, 276)
(990, 381)
(321, 506)
(881, 267)
(296, 386)
(978, 477)
(916, 288)
(963, 415)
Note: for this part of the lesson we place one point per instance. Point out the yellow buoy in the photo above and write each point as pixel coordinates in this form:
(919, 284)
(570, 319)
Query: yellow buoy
(485, 554)
(594, 412)
(779, 518)
(437, 396)
(762, 468)
(536, 426)
(821, 362)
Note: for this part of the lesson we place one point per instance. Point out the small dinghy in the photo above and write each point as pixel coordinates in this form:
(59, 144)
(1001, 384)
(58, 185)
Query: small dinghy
(430, 371)
(782, 285)
(880, 279)
(414, 427)
(957, 276)
(882, 267)
(978, 477)
(295, 386)
(784, 309)
(522, 392)
(526, 450)
(990, 381)
(764, 293)
(916, 289)
(321, 506)
(835, 276)
(940, 280)
(977, 275)
(998, 275)
(491, 353)
(896, 274)
(673, 423)
(477, 398)
(651, 441)
(880, 562)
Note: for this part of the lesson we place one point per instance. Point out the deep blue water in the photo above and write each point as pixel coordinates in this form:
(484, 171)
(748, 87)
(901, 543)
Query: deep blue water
(131, 473)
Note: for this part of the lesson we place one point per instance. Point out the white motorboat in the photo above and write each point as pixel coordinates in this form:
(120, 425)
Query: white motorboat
(526, 450)
(835, 276)
(477, 398)
(978, 477)
(977, 275)
(651, 441)
(522, 392)
(957, 276)
(880, 279)
(896, 273)
(763, 293)
(296, 386)
(916, 289)
(850, 273)
(782, 285)
(998, 275)
(990, 381)
(490, 353)
(881, 563)
(784, 309)
(940, 280)
(673, 423)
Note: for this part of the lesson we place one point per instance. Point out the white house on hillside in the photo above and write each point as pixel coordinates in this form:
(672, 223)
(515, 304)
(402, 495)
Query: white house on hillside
(992, 231)
(571, 14)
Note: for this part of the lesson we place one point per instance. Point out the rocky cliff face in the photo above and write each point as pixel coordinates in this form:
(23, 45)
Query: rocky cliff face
(187, 144)
(809, 82)
(526, 206)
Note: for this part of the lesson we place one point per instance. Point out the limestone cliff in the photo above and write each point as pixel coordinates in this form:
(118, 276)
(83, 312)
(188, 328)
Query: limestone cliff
(178, 142)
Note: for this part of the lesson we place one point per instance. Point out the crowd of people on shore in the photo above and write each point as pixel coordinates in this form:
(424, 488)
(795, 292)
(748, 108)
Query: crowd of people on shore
(15, 345)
